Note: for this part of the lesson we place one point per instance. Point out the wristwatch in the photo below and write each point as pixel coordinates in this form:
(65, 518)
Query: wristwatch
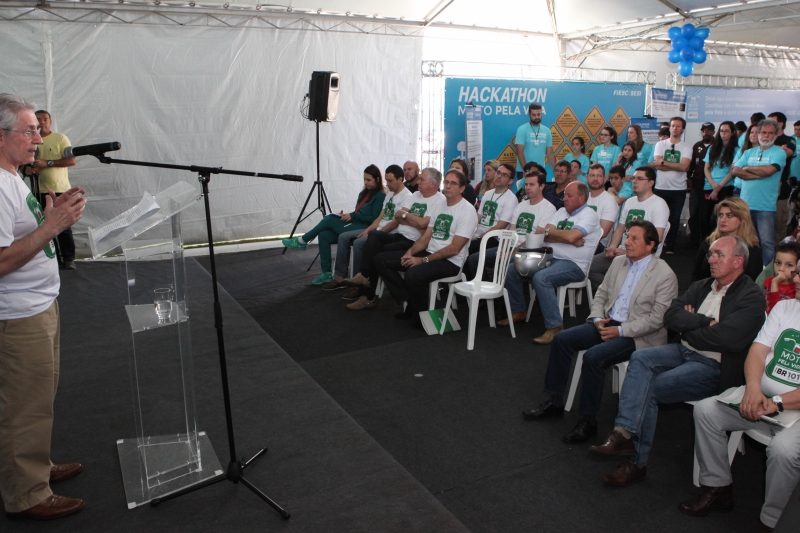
(404, 215)
(777, 400)
(49, 163)
(546, 233)
(425, 260)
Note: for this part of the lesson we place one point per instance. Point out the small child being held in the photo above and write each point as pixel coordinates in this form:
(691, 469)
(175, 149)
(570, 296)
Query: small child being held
(781, 286)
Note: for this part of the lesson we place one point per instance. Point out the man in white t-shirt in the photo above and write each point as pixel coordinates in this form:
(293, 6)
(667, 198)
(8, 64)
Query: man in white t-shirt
(772, 374)
(29, 323)
(603, 203)
(398, 235)
(530, 216)
(397, 198)
(644, 205)
(496, 212)
(439, 253)
(672, 158)
(573, 233)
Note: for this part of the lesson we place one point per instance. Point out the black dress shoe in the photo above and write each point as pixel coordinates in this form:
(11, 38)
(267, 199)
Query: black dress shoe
(545, 410)
(582, 432)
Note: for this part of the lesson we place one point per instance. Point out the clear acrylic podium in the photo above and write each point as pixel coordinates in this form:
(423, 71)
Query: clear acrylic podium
(168, 453)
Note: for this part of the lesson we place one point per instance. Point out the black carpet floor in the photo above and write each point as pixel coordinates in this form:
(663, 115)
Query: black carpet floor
(321, 465)
(451, 417)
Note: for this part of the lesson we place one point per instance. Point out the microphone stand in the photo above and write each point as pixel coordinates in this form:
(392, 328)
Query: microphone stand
(235, 471)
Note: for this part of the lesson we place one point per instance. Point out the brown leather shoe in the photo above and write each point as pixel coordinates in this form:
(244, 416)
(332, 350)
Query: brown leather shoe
(65, 471)
(711, 499)
(625, 474)
(615, 444)
(547, 336)
(53, 507)
(516, 317)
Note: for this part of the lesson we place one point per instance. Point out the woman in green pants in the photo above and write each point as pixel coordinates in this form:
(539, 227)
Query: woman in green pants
(368, 207)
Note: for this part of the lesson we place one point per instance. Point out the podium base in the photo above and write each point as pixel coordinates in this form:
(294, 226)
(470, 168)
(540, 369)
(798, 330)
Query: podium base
(134, 479)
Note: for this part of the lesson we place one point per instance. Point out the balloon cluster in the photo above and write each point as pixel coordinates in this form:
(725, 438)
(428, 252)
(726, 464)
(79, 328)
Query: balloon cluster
(687, 47)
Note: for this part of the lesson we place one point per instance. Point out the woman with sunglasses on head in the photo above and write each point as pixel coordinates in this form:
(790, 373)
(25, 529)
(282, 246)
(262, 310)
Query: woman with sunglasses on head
(607, 153)
(733, 220)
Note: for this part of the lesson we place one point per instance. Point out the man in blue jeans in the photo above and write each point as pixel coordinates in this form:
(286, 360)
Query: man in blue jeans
(573, 233)
(760, 170)
(627, 313)
(717, 318)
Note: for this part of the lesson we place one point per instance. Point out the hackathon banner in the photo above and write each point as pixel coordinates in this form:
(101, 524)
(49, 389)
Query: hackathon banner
(570, 109)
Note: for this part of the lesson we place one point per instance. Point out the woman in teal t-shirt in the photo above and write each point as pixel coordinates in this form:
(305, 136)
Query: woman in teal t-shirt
(644, 151)
(606, 154)
(577, 154)
(719, 159)
(628, 160)
(368, 206)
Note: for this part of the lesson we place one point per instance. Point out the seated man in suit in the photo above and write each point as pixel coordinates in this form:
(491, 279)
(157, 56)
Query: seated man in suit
(772, 385)
(439, 253)
(627, 314)
(718, 318)
(573, 233)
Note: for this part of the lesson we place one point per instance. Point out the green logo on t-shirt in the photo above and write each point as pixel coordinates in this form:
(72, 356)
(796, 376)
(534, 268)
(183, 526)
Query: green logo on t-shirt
(38, 214)
(441, 228)
(634, 214)
(388, 211)
(785, 365)
(418, 210)
(565, 224)
(488, 213)
(672, 156)
(594, 207)
(525, 223)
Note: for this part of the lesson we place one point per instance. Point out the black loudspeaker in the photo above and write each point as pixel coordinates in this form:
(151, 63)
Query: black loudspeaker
(323, 96)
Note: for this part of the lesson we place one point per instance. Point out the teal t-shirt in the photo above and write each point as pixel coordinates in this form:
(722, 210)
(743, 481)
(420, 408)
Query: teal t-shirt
(718, 172)
(606, 156)
(536, 140)
(794, 170)
(762, 195)
(645, 155)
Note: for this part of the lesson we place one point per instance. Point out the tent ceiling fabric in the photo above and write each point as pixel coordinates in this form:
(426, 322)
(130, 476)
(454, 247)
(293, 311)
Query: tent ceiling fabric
(768, 22)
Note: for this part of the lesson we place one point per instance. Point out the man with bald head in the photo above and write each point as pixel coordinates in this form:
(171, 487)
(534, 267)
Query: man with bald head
(411, 174)
(717, 318)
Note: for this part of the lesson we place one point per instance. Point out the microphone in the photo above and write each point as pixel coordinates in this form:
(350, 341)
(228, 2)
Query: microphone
(91, 149)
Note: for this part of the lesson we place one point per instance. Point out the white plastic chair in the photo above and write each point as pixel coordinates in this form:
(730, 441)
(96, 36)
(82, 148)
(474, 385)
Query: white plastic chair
(433, 290)
(661, 244)
(576, 377)
(477, 289)
(618, 376)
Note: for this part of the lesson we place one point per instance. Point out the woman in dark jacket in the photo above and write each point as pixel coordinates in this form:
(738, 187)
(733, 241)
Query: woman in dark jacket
(368, 207)
(733, 219)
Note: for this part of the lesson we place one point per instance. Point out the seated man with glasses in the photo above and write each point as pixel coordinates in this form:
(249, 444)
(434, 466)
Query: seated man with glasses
(554, 192)
(717, 318)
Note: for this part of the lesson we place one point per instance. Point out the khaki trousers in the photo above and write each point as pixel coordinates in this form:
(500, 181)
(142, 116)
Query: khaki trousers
(29, 361)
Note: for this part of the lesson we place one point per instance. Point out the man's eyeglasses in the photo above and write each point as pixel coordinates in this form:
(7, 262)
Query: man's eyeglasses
(27, 133)
(641, 178)
(452, 183)
(505, 175)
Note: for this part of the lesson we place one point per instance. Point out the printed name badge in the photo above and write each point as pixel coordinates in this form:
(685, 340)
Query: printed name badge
(565, 224)
(441, 228)
(418, 210)
(489, 211)
(785, 365)
(525, 223)
(388, 211)
(672, 156)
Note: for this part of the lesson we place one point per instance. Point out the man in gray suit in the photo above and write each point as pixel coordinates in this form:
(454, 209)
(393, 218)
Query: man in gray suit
(627, 314)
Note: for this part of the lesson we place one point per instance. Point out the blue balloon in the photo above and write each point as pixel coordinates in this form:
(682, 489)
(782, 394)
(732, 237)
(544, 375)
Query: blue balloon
(696, 43)
(699, 56)
(674, 56)
(687, 54)
(680, 43)
(686, 68)
(702, 32)
(687, 31)
(674, 32)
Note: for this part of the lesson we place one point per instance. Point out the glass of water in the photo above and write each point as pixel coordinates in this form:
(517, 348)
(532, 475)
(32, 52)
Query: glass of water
(162, 300)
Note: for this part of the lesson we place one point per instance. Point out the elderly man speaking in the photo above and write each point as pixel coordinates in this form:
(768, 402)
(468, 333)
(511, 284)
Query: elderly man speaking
(29, 323)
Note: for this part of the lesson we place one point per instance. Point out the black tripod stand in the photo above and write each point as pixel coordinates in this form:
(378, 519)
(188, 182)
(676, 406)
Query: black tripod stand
(322, 202)
(235, 471)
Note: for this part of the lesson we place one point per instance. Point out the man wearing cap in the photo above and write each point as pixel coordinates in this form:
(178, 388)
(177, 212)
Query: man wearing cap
(697, 178)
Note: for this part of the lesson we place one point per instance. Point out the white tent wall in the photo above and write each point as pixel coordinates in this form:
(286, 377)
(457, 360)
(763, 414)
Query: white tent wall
(217, 97)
